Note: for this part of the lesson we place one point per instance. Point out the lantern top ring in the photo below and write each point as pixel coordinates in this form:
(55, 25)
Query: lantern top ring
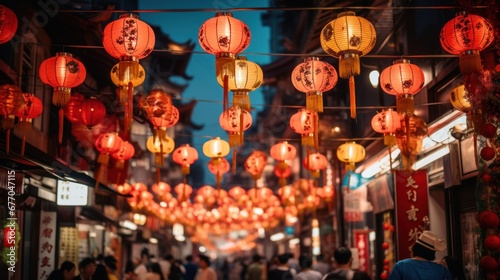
(347, 13)
(129, 58)
(312, 58)
(402, 60)
(349, 53)
(129, 16)
(225, 54)
(223, 14)
(64, 54)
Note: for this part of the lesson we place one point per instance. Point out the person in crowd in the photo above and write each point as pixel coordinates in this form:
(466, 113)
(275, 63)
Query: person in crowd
(191, 268)
(65, 272)
(165, 264)
(321, 265)
(141, 269)
(306, 273)
(293, 263)
(205, 272)
(282, 271)
(343, 261)
(421, 265)
(87, 268)
(110, 264)
(175, 270)
(129, 273)
(455, 267)
(154, 272)
(180, 264)
(100, 272)
(254, 271)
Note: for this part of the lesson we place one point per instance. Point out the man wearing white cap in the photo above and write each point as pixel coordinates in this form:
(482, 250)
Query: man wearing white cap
(421, 266)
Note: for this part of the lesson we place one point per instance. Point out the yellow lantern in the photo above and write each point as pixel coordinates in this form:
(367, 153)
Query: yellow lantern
(460, 100)
(216, 149)
(348, 37)
(160, 146)
(350, 153)
(247, 77)
(122, 79)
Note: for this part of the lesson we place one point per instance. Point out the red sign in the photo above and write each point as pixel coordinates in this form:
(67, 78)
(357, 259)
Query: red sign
(412, 208)
(363, 244)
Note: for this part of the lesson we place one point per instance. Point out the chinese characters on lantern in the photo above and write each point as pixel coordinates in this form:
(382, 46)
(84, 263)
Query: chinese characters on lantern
(46, 257)
(412, 208)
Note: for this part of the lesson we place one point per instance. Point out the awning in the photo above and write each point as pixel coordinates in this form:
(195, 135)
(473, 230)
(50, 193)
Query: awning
(38, 163)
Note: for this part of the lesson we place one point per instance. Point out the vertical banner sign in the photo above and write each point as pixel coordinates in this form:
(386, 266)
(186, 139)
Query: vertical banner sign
(412, 208)
(361, 242)
(47, 248)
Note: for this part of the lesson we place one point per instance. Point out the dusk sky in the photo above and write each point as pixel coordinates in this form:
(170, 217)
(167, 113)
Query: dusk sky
(184, 26)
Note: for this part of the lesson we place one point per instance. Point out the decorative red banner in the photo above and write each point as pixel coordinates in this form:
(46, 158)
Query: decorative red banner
(362, 242)
(412, 208)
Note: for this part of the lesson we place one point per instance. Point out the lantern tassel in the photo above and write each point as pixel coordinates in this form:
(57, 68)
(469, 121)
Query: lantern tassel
(316, 131)
(405, 104)
(225, 93)
(314, 101)
(469, 62)
(185, 169)
(218, 178)
(233, 167)
(61, 125)
(158, 175)
(352, 95)
(308, 139)
(241, 128)
(241, 99)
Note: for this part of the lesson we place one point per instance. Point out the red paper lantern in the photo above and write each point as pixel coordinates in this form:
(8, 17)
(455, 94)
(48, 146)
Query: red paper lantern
(128, 38)
(185, 155)
(224, 35)
(403, 80)
(174, 117)
(107, 144)
(466, 35)
(161, 188)
(282, 172)
(315, 162)
(387, 122)
(31, 109)
(313, 77)
(385, 245)
(488, 264)
(8, 24)
(183, 191)
(237, 192)
(124, 188)
(92, 112)
(235, 121)
(62, 72)
(488, 130)
(72, 108)
(305, 122)
(255, 164)
(487, 153)
(283, 151)
(157, 106)
(125, 152)
(488, 219)
(218, 168)
(492, 242)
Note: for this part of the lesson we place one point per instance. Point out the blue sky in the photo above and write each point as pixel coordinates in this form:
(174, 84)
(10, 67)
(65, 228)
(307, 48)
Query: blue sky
(184, 26)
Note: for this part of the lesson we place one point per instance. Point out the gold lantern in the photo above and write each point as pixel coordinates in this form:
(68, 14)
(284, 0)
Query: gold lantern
(350, 153)
(460, 100)
(409, 139)
(348, 37)
(160, 146)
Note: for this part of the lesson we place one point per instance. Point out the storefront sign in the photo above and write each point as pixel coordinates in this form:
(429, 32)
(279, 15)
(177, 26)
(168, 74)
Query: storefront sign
(412, 208)
(47, 247)
(361, 242)
(71, 193)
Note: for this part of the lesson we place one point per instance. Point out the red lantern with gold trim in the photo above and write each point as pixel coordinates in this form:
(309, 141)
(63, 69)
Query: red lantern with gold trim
(183, 191)
(315, 162)
(8, 24)
(403, 80)
(466, 35)
(62, 72)
(125, 153)
(185, 155)
(157, 106)
(218, 168)
(10, 101)
(31, 109)
(313, 77)
(107, 144)
(305, 122)
(255, 163)
(387, 122)
(235, 121)
(92, 112)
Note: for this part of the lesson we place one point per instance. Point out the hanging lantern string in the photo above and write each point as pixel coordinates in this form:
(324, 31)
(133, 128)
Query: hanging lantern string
(263, 9)
(247, 54)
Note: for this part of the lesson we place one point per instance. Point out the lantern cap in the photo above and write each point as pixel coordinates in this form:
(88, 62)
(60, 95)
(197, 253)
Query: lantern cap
(402, 60)
(344, 14)
(241, 57)
(64, 54)
(223, 14)
(129, 15)
(129, 58)
(311, 58)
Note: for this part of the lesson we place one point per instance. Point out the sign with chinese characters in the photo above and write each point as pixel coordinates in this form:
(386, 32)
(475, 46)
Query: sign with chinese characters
(71, 193)
(362, 243)
(412, 208)
(47, 247)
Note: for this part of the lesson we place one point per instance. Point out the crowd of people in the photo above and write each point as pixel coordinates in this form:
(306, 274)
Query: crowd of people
(421, 266)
